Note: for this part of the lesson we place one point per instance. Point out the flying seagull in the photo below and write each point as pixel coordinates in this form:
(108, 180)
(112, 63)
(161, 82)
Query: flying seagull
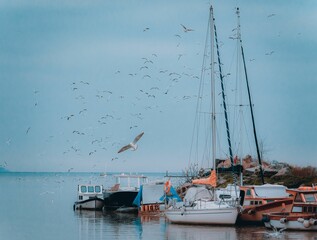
(186, 29)
(133, 144)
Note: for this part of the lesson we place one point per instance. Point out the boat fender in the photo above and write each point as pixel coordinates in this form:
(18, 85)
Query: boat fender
(74, 207)
(301, 220)
(241, 209)
(312, 221)
(251, 211)
(283, 220)
(183, 211)
(306, 223)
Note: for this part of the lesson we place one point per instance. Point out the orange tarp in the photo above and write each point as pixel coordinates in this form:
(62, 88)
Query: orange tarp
(211, 180)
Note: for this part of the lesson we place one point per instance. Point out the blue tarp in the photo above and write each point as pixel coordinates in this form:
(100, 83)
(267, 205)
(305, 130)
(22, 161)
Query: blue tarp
(172, 195)
(138, 198)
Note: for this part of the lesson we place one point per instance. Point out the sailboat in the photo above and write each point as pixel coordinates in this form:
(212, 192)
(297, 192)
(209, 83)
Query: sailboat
(201, 204)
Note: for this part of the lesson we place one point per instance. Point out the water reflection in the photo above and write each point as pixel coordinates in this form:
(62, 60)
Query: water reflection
(175, 231)
(99, 225)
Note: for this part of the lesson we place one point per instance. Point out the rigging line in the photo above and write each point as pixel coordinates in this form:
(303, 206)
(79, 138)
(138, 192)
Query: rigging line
(250, 102)
(199, 99)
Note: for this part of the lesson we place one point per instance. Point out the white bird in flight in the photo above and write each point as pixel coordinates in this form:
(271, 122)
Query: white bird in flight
(133, 144)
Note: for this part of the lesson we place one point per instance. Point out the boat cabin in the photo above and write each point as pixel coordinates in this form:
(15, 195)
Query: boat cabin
(254, 195)
(128, 182)
(305, 200)
(257, 200)
(89, 191)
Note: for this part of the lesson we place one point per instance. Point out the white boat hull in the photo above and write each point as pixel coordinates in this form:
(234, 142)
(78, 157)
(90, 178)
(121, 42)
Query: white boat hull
(291, 225)
(90, 204)
(216, 216)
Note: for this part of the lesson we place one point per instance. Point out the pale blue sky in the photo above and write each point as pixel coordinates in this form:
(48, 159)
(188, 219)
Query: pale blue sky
(87, 59)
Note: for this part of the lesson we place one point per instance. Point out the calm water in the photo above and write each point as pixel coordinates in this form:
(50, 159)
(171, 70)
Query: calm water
(39, 206)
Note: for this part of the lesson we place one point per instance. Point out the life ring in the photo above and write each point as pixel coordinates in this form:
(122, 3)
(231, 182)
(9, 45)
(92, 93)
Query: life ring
(167, 186)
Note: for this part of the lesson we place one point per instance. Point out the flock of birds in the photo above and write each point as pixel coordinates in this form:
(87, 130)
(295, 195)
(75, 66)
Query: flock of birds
(163, 81)
(87, 139)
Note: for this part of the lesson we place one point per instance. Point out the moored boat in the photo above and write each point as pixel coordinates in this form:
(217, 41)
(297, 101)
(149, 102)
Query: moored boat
(90, 197)
(121, 195)
(256, 200)
(200, 206)
(303, 213)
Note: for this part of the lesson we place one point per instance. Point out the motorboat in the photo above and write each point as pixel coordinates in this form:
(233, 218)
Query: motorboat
(256, 200)
(121, 195)
(303, 213)
(90, 197)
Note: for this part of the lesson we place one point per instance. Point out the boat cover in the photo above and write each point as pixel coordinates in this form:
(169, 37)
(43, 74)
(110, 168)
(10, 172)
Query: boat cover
(271, 191)
(197, 192)
(154, 193)
(211, 180)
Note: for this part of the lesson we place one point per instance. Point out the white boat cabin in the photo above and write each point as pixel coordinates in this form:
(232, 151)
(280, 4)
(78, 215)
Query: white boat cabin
(128, 182)
(89, 191)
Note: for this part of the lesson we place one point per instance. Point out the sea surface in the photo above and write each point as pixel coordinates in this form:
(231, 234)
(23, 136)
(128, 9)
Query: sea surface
(39, 206)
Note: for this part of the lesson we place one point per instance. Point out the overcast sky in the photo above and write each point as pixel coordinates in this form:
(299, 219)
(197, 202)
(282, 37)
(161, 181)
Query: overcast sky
(80, 79)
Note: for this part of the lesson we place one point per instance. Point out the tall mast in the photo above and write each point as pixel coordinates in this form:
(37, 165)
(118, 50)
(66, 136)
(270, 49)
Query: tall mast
(250, 101)
(213, 98)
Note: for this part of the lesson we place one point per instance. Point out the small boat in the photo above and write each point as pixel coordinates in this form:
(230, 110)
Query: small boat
(90, 197)
(256, 200)
(201, 207)
(121, 195)
(303, 213)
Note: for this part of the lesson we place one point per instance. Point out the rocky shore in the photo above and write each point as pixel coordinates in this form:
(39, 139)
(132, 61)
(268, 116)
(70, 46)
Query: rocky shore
(274, 173)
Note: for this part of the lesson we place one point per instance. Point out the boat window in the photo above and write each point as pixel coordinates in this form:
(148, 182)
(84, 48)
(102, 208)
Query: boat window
(310, 209)
(91, 189)
(80, 198)
(97, 189)
(297, 209)
(251, 203)
(83, 189)
(310, 198)
(260, 202)
(224, 196)
(270, 200)
(248, 192)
